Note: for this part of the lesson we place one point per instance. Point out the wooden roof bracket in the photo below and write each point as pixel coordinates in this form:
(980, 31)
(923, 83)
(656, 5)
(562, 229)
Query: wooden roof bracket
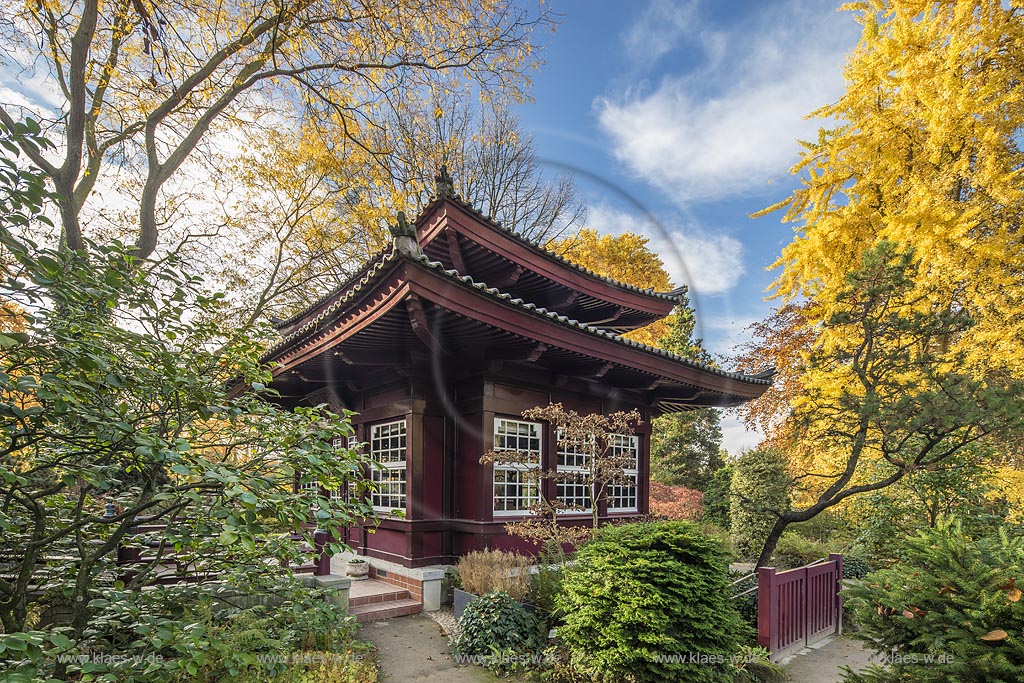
(455, 250)
(420, 324)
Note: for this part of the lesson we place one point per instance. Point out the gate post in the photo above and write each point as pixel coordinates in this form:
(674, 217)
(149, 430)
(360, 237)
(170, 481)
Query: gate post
(767, 608)
(322, 560)
(804, 610)
(838, 559)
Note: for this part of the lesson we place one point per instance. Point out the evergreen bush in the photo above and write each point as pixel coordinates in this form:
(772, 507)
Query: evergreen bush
(498, 632)
(855, 567)
(951, 612)
(760, 487)
(650, 602)
(546, 583)
(795, 550)
(717, 496)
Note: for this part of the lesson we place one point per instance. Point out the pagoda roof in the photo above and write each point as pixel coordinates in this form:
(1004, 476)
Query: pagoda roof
(452, 231)
(474, 244)
(368, 320)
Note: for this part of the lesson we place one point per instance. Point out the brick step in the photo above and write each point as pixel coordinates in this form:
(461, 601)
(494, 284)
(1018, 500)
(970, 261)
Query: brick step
(397, 594)
(385, 610)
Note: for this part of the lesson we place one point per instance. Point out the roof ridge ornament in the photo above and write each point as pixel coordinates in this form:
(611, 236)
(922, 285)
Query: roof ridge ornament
(443, 182)
(403, 235)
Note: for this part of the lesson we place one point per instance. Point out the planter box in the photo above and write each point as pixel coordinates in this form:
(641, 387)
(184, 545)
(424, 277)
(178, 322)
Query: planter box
(460, 599)
(357, 570)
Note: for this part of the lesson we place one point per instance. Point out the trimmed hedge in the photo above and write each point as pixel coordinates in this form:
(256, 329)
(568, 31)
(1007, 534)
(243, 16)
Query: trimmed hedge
(650, 602)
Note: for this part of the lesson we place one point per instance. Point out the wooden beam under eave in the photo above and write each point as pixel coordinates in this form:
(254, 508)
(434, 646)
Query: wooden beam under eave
(538, 351)
(510, 278)
(530, 354)
(420, 324)
(566, 301)
(616, 314)
(455, 251)
(363, 358)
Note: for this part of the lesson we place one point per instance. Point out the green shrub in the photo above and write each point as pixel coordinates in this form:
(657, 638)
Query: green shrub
(828, 527)
(755, 666)
(722, 537)
(855, 567)
(760, 485)
(956, 600)
(642, 595)
(352, 665)
(546, 584)
(497, 631)
(794, 550)
(716, 498)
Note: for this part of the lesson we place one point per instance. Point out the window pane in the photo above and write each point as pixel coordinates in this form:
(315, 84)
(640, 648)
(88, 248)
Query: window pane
(515, 489)
(387, 446)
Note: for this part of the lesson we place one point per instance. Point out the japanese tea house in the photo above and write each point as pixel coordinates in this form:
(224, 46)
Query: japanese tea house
(442, 341)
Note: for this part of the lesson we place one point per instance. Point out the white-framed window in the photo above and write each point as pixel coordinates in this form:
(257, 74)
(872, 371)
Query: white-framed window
(310, 488)
(387, 447)
(623, 497)
(516, 486)
(351, 443)
(574, 486)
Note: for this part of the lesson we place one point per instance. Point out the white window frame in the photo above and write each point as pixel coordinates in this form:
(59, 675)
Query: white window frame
(577, 463)
(310, 488)
(502, 443)
(351, 443)
(616, 492)
(390, 477)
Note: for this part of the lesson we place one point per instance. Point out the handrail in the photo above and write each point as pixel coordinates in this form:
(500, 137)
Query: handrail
(741, 580)
(746, 592)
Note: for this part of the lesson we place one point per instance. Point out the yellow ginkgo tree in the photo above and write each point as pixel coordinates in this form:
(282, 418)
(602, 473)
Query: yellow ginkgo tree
(922, 152)
(142, 86)
(917, 166)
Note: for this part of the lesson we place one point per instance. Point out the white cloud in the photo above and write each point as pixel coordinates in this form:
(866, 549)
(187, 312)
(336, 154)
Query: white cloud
(707, 263)
(731, 126)
(736, 438)
(657, 30)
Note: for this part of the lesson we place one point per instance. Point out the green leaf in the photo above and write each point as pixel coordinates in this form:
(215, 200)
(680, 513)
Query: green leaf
(11, 339)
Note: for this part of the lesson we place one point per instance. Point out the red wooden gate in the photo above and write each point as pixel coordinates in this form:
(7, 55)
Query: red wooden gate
(799, 607)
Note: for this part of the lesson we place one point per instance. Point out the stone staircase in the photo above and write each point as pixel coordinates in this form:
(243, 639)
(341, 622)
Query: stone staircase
(372, 599)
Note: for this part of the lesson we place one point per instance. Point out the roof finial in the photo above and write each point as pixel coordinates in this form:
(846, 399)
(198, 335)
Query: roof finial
(444, 183)
(404, 236)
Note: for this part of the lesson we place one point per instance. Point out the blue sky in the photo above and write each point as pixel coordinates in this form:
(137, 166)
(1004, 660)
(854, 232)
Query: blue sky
(680, 119)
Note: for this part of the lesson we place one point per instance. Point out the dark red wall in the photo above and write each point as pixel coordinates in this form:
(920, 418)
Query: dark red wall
(449, 491)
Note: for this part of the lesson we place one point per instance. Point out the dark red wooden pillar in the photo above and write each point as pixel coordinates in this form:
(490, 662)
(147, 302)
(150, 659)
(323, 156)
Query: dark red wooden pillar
(767, 608)
(838, 559)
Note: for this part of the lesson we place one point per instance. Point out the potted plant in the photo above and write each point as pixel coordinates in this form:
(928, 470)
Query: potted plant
(357, 568)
